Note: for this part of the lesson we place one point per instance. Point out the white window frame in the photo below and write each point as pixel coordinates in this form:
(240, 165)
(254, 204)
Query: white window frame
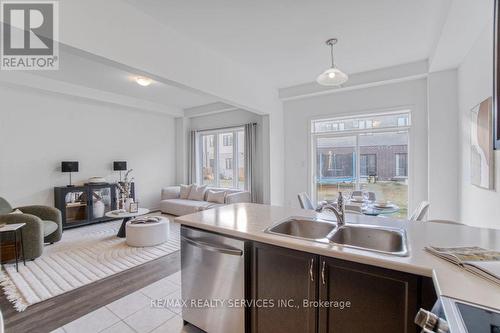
(199, 155)
(314, 138)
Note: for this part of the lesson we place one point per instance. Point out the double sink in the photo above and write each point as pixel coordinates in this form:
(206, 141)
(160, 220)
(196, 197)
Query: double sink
(370, 238)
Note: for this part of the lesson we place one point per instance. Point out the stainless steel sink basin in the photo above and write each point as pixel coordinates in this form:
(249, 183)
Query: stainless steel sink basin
(369, 238)
(304, 228)
(385, 240)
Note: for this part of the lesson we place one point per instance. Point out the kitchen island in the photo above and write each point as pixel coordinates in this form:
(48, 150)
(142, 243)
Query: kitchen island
(249, 222)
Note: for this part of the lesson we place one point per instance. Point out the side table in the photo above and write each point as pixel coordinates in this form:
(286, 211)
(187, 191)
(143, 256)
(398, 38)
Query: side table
(14, 228)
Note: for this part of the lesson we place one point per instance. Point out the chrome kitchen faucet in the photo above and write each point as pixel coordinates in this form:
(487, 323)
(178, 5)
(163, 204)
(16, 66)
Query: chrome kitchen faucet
(339, 211)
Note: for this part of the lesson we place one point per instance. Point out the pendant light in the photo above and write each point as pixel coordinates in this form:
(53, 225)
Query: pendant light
(143, 81)
(332, 76)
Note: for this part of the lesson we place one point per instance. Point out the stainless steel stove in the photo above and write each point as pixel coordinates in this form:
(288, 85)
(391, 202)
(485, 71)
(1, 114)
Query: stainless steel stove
(455, 316)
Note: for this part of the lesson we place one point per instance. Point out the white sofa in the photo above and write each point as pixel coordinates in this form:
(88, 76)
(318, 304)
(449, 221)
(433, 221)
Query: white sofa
(171, 203)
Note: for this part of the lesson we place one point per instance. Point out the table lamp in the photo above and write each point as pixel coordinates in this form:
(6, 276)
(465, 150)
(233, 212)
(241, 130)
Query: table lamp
(120, 166)
(69, 166)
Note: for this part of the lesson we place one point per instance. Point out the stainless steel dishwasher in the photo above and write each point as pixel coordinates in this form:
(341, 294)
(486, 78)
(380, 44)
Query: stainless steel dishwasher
(213, 280)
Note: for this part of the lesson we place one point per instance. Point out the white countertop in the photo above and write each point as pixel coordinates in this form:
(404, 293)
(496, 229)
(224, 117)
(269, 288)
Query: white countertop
(249, 221)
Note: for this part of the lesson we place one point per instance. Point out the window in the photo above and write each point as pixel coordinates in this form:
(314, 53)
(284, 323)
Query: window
(368, 165)
(401, 165)
(360, 154)
(402, 121)
(227, 139)
(207, 160)
(388, 120)
(221, 158)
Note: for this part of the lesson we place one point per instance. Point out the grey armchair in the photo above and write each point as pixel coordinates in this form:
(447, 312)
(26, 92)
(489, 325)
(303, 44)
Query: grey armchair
(43, 225)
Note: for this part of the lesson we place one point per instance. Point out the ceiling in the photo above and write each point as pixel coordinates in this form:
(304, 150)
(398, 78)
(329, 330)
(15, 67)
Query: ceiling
(86, 70)
(284, 39)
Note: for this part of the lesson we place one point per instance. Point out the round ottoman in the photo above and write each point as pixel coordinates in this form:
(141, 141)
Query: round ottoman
(147, 234)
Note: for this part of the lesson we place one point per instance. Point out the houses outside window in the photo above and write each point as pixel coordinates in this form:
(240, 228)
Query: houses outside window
(402, 165)
(229, 163)
(402, 121)
(220, 158)
(368, 165)
(227, 139)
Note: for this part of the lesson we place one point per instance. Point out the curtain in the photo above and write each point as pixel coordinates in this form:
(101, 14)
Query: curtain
(250, 156)
(192, 158)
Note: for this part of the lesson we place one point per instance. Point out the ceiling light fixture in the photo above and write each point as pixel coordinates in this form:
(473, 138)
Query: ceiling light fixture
(332, 76)
(143, 81)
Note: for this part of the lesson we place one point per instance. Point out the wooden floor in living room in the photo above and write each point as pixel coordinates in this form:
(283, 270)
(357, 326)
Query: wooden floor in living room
(55, 312)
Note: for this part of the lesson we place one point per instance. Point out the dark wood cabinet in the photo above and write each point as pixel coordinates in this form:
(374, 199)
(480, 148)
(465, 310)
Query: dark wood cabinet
(82, 205)
(280, 276)
(380, 300)
(351, 297)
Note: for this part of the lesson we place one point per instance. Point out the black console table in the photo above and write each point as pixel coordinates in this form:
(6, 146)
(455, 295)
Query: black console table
(82, 205)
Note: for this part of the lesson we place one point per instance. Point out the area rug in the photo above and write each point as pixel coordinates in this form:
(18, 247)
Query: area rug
(84, 255)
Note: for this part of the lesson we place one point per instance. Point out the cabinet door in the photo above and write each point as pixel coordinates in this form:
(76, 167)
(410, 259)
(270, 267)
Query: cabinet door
(102, 201)
(280, 274)
(380, 300)
(73, 203)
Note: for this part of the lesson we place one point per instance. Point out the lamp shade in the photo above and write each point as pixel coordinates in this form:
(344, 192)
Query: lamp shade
(119, 165)
(69, 166)
(332, 77)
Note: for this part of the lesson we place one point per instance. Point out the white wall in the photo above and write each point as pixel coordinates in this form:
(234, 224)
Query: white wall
(276, 155)
(181, 149)
(298, 113)
(39, 130)
(443, 146)
(478, 207)
(227, 119)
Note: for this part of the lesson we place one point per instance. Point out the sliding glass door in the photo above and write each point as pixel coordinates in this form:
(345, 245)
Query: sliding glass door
(369, 153)
(388, 177)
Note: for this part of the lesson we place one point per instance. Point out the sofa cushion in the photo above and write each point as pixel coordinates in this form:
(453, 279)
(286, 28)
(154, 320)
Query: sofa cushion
(185, 189)
(48, 227)
(197, 192)
(227, 190)
(216, 196)
(5, 207)
(183, 207)
(243, 196)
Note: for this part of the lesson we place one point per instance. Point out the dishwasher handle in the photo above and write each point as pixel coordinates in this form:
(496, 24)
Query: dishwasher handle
(213, 248)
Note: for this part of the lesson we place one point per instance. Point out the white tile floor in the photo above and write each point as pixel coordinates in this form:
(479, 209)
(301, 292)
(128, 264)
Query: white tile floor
(134, 313)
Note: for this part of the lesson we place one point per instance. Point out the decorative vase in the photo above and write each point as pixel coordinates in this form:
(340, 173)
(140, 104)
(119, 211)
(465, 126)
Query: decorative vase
(98, 209)
(126, 204)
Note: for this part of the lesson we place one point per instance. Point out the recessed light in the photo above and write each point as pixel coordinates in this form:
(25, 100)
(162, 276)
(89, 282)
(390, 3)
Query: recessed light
(143, 81)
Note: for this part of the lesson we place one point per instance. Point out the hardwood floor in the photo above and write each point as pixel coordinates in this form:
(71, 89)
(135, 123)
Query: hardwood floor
(55, 312)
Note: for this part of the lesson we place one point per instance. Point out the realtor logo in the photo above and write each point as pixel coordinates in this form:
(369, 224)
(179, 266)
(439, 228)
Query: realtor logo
(29, 36)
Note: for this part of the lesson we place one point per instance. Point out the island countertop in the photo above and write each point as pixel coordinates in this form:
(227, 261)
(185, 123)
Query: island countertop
(249, 221)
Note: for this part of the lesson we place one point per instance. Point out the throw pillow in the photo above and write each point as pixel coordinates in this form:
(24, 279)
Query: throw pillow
(185, 189)
(197, 192)
(17, 211)
(216, 196)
